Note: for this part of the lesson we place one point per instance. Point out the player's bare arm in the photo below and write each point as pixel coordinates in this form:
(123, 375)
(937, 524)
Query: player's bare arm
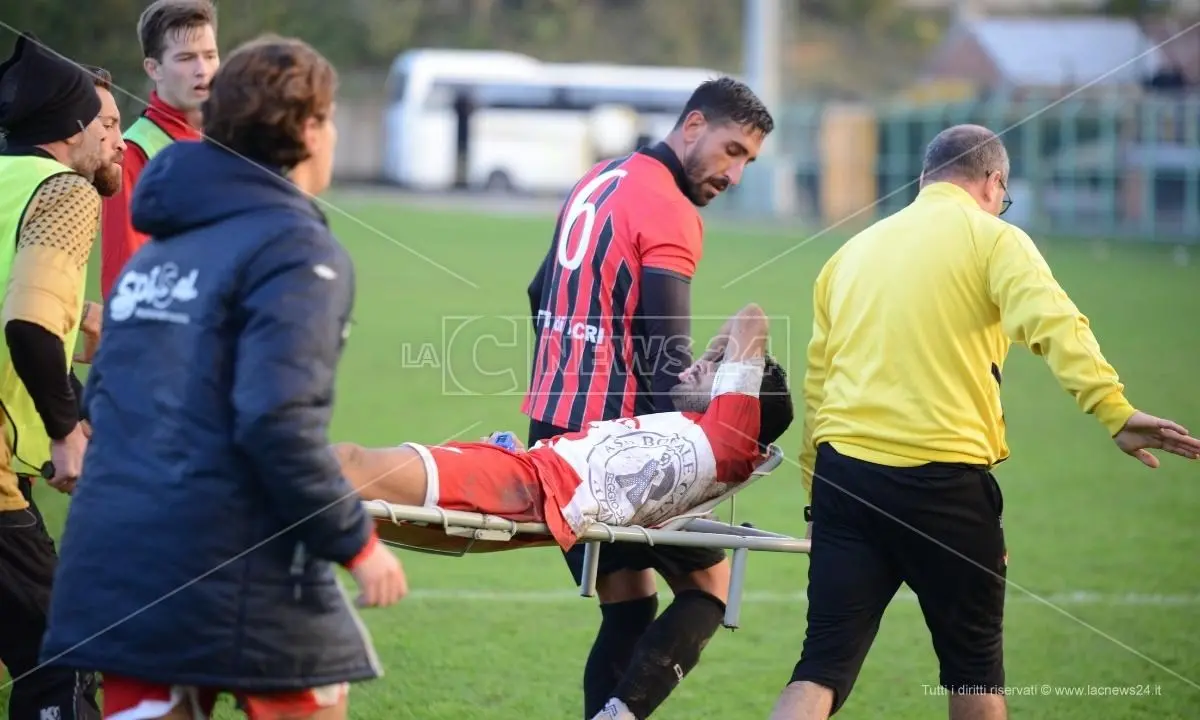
(393, 474)
(715, 352)
(716, 346)
(397, 474)
(747, 335)
(90, 322)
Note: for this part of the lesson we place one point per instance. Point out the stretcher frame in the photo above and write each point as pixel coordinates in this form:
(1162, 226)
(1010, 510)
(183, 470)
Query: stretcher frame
(699, 527)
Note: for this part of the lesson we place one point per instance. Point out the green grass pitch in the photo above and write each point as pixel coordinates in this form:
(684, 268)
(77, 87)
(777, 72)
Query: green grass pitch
(1105, 587)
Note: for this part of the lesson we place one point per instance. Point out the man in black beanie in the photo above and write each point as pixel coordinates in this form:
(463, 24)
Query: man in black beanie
(58, 139)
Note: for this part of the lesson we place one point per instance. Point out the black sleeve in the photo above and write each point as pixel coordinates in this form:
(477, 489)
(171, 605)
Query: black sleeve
(77, 388)
(295, 304)
(666, 318)
(38, 357)
(90, 388)
(535, 287)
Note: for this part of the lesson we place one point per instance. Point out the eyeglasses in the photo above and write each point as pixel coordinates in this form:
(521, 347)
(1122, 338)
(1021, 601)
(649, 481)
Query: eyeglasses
(1006, 203)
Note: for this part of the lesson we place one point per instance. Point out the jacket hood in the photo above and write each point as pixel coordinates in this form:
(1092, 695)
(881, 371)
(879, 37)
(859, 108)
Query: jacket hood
(190, 185)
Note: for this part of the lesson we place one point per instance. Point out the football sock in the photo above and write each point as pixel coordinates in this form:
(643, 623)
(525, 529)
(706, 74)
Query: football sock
(621, 627)
(669, 650)
(615, 710)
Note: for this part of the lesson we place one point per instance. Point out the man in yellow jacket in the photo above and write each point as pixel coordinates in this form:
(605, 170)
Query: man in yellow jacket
(913, 319)
(61, 151)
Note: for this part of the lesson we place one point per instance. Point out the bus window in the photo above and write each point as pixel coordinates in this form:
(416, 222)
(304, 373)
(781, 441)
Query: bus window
(441, 96)
(397, 84)
(515, 96)
(485, 95)
(646, 100)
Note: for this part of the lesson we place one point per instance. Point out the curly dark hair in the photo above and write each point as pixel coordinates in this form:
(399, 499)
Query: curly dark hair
(728, 100)
(775, 404)
(263, 95)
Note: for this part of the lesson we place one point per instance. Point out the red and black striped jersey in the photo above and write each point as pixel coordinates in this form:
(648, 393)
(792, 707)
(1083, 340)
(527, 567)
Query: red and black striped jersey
(623, 217)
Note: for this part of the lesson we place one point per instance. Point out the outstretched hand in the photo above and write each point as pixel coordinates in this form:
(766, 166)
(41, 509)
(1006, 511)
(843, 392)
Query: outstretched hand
(1143, 433)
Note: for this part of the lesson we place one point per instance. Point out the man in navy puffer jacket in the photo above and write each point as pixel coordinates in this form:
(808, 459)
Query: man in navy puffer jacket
(200, 547)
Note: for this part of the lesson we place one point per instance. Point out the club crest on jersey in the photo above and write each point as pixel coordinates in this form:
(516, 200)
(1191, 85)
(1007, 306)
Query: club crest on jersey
(640, 467)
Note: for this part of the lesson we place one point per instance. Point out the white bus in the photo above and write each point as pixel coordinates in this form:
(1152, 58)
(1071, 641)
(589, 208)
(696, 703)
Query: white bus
(534, 127)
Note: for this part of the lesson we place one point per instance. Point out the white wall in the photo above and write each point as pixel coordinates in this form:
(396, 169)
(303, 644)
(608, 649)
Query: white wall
(359, 153)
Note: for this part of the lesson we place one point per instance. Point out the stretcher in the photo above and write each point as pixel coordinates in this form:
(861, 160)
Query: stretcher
(456, 533)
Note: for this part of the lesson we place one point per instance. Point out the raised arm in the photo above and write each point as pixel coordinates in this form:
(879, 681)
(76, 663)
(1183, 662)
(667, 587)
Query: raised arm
(746, 335)
(733, 419)
(716, 346)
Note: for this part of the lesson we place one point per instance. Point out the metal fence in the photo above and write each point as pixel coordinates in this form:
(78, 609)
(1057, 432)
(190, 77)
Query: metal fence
(1101, 166)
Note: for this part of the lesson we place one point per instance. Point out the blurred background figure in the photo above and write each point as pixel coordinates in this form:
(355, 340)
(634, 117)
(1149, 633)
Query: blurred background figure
(178, 39)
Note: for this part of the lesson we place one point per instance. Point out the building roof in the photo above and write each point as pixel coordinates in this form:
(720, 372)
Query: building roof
(1066, 51)
(1181, 42)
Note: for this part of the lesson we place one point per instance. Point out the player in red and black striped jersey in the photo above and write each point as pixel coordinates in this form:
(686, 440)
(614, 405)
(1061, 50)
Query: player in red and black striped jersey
(627, 224)
(611, 305)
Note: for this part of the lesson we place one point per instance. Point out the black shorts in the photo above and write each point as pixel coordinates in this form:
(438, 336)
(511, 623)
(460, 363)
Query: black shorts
(668, 561)
(936, 528)
(28, 560)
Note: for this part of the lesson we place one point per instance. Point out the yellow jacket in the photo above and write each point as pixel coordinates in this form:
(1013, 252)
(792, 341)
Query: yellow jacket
(912, 321)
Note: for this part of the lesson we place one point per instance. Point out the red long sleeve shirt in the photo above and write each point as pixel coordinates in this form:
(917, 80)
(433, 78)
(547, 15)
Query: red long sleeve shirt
(118, 239)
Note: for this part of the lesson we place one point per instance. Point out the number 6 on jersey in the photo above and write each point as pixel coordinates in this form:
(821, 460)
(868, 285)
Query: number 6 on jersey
(581, 206)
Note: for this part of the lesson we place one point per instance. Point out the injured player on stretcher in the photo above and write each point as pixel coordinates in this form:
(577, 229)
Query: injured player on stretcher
(641, 471)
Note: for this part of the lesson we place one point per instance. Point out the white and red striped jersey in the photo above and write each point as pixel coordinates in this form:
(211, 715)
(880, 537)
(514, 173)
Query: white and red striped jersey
(648, 469)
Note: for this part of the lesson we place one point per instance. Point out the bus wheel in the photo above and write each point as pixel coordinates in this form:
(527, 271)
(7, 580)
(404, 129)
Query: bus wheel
(498, 182)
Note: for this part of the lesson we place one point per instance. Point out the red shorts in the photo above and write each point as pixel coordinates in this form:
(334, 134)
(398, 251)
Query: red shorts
(128, 699)
(483, 478)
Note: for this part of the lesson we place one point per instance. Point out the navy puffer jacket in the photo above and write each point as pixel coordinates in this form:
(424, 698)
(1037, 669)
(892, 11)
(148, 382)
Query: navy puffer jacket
(200, 543)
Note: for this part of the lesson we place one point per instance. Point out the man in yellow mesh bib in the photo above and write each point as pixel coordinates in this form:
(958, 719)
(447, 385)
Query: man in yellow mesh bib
(61, 151)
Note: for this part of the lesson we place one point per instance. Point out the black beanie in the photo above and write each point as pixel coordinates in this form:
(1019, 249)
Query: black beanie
(43, 96)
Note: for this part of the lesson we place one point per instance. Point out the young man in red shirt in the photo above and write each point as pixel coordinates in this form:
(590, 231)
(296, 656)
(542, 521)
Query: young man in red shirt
(179, 47)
